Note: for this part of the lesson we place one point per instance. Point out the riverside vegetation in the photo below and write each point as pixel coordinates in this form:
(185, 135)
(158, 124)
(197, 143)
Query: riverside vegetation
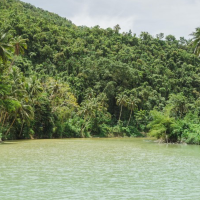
(61, 80)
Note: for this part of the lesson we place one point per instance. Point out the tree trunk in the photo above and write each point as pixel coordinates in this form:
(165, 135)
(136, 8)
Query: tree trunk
(21, 129)
(10, 126)
(1, 118)
(120, 114)
(13, 61)
(82, 129)
(81, 132)
(129, 117)
(4, 119)
(166, 137)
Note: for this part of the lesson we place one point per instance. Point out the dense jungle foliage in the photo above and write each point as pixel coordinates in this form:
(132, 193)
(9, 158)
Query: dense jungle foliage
(60, 80)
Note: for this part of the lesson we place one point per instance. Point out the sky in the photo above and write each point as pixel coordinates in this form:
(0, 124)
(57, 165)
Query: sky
(175, 17)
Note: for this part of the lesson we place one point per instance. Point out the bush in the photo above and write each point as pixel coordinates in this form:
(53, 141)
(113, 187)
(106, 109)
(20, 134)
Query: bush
(132, 131)
(122, 131)
(104, 130)
(192, 135)
(188, 129)
(70, 131)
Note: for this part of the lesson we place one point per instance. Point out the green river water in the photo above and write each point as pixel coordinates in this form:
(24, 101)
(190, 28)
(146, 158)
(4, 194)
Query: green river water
(94, 169)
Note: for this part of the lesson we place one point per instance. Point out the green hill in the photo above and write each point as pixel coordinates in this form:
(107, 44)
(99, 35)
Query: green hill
(117, 78)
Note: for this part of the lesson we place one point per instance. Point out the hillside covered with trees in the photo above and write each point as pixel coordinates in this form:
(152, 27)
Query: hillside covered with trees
(60, 80)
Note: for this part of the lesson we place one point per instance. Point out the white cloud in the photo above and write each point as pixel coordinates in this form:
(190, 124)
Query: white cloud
(126, 23)
(176, 17)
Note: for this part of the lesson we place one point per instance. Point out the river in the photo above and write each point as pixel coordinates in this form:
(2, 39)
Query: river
(94, 169)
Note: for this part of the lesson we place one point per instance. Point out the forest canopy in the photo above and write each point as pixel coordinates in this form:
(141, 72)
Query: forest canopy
(62, 80)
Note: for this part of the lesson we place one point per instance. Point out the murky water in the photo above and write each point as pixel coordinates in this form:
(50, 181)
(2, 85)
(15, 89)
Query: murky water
(94, 169)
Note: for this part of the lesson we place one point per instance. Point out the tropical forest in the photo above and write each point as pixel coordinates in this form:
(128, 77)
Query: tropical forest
(59, 80)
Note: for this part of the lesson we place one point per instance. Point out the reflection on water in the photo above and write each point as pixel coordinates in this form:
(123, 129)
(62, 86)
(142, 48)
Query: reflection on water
(98, 169)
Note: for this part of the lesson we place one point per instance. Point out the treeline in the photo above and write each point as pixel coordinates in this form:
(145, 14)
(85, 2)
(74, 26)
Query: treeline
(79, 82)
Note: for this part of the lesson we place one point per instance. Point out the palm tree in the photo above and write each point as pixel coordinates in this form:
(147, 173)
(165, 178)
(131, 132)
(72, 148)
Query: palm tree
(132, 103)
(196, 41)
(4, 47)
(26, 114)
(17, 85)
(121, 101)
(102, 97)
(88, 111)
(22, 110)
(12, 109)
(33, 88)
(19, 45)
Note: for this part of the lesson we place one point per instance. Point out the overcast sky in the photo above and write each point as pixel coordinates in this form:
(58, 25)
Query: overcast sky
(176, 17)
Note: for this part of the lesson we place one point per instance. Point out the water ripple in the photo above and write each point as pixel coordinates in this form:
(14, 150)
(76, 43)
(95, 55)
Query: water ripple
(98, 169)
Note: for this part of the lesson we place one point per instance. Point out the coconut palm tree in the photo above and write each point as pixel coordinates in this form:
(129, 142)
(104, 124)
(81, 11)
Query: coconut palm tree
(132, 103)
(103, 99)
(196, 41)
(88, 111)
(121, 101)
(17, 84)
(4, 47)
(26, 114)
(21, 110)
(33, 87)
(12, 109)
(19, 45)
